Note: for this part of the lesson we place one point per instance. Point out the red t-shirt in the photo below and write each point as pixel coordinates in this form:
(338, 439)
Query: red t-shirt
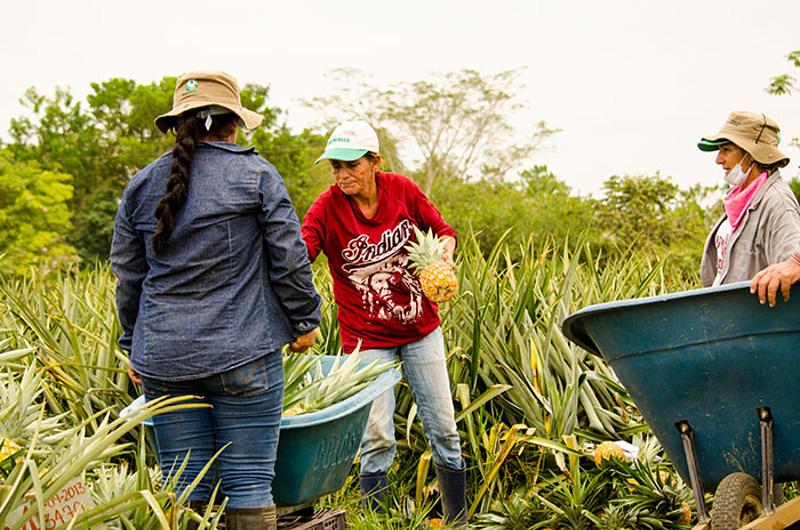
(379, 298)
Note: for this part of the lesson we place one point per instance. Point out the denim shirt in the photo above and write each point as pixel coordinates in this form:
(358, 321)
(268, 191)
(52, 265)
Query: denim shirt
(234, 282)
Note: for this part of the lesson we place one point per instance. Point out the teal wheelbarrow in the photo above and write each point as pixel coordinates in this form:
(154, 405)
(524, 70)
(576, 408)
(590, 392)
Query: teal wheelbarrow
(716, 376)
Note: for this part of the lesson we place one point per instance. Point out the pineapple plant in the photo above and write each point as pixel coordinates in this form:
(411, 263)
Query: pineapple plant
(437, 278)
(309, 389)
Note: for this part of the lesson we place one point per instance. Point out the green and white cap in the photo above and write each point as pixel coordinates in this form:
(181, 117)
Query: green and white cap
(350, 141)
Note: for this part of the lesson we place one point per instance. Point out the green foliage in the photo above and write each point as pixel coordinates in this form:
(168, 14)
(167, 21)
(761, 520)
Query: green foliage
(102, 142)
(638, 207)
(34, 216)
(525, 398)
(71, 319)
(541, 181)
(537, 205)
(649, 213)
(655, 216)
(785, 83)
(92, 237)
(794, 184)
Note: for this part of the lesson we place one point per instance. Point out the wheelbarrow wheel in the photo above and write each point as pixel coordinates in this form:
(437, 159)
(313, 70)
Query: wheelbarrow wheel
(737, 501)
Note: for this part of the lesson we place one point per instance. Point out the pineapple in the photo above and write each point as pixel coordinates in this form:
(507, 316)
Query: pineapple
(607, 451)
(437, 278)
(8, 448)
(686, 513)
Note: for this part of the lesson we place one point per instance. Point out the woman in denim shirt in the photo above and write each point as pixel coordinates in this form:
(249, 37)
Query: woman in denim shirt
(213, 279)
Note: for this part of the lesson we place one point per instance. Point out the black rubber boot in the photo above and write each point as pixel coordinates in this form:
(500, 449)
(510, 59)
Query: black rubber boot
(453, 485)
(251, 519)
(373, 491)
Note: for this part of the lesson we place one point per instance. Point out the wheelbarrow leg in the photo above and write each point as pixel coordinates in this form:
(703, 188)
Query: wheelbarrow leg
(694, 470)
(767, 472)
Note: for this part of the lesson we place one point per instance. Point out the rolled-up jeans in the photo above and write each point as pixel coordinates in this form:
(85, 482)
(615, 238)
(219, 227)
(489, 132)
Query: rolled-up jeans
(246, 404)
(425, 369)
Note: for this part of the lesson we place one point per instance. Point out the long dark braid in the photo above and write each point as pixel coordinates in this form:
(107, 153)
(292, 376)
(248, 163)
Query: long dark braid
(189, 130)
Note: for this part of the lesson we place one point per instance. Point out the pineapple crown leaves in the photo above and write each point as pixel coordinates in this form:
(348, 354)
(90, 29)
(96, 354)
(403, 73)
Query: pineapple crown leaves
(427, 249)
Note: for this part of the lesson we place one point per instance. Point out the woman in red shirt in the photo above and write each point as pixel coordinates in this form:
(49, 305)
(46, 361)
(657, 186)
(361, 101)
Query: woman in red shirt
(362, 224)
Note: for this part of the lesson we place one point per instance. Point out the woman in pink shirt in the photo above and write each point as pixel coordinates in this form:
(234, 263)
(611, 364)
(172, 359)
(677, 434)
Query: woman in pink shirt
(363, 223)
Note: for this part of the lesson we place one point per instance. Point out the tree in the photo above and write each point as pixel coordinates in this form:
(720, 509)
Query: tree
(536, 203)
(33, 215)
(541, 181)
(785, 84)
(653, 214)
(458, 123)
(637, 207)
(794, 184)
(103, 141)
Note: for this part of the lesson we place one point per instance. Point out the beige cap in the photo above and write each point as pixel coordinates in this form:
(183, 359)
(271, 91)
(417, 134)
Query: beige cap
(756, 133)
(203, 89)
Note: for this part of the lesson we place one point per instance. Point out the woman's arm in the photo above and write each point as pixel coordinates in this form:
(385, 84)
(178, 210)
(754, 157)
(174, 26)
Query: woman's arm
(290, 268)
(313, 229)
(129, 263)
(782, 241)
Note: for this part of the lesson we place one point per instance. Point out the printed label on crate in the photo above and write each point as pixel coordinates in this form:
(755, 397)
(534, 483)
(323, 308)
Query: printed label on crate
(69, 501)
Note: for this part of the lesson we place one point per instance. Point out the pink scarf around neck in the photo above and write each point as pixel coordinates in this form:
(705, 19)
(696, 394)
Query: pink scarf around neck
(738, 199)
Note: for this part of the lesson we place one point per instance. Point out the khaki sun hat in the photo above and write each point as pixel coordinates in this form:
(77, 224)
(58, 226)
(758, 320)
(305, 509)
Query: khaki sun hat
(195, 90)
(756, 133)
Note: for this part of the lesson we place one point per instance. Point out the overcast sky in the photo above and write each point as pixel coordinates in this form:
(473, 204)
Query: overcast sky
(633, 84)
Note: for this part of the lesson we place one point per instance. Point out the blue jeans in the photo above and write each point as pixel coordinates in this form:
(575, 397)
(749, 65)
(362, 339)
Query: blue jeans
(246, 412)
(425, 370)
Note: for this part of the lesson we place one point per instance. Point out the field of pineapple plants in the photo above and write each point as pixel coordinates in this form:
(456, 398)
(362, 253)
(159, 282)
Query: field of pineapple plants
(533, 409)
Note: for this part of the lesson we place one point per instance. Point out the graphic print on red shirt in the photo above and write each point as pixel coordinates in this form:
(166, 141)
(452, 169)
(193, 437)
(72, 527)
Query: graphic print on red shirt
(377, 270)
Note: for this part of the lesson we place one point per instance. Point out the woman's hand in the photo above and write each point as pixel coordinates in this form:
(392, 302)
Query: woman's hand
(779, 276)
(136, 378)
(303, 342)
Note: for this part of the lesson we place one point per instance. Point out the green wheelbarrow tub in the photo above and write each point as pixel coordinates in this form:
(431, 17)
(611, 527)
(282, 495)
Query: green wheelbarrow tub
(316, 450)
(710, 357)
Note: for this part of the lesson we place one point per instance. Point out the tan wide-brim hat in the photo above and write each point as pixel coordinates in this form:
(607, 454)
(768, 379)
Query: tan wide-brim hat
(756, 133)
(196, 90)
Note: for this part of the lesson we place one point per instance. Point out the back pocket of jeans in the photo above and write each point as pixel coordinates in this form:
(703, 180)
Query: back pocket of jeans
(247, 380)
